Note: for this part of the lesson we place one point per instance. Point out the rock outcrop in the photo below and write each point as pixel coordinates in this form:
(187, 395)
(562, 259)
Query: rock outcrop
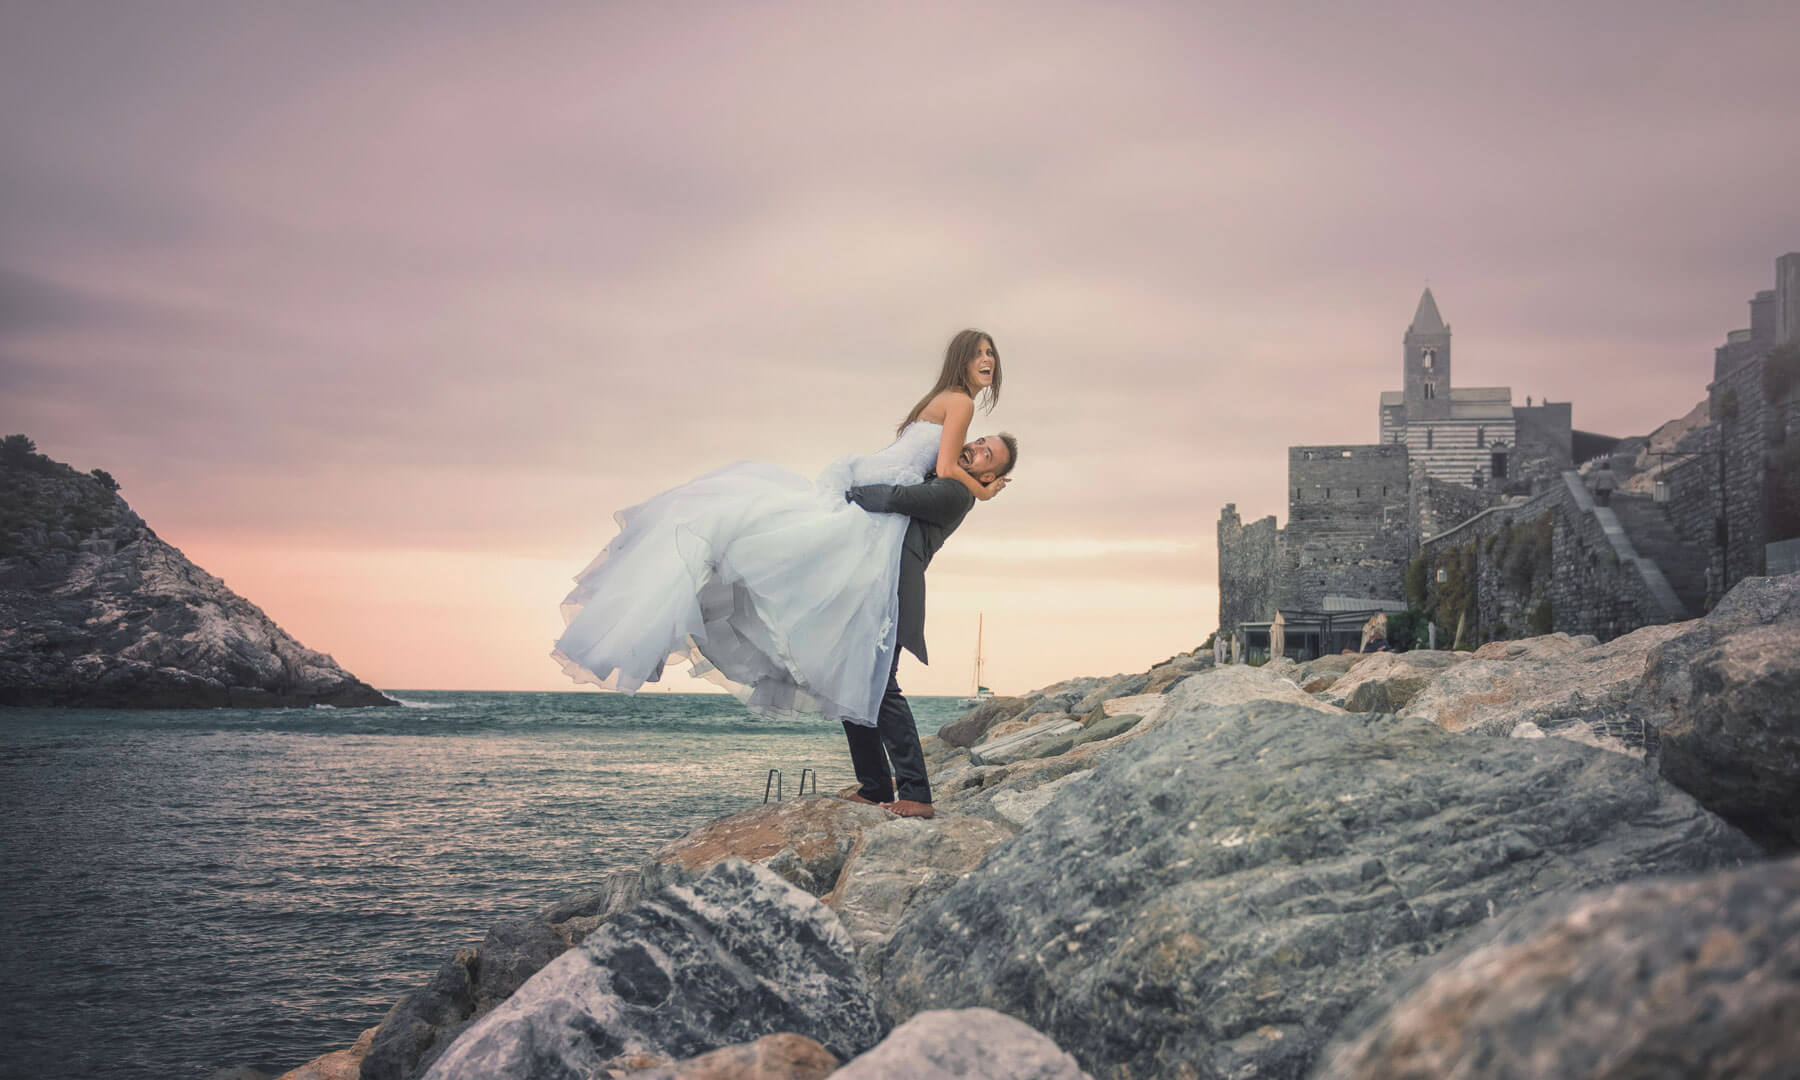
(735, 955)
(783, 1056)
(964, 1044)
(422, 1024)
(1231, 884)
(97, 611)
(1697, 978)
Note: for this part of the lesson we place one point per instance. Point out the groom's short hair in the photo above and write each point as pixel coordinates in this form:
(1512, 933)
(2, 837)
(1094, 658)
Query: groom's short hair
(1012, 454)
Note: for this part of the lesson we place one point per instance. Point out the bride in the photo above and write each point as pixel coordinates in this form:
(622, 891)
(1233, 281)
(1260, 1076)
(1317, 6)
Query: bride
(777, 589)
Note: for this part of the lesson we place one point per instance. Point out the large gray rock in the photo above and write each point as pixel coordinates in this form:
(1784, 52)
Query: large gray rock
(1229, 885)
(785, 1056)
(904, 862)
(804, 840)
(97, 611)
(1584, 695)
(1693, 978)
(1238, 683)
(1734, 740)
(964, 1044)
(967, 729)
(1386, 682)
(737, 954)
(422, 1024)
(1040, 740)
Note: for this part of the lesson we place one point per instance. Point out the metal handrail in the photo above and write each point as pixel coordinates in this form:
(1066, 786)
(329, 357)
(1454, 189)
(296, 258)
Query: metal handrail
(774, 781)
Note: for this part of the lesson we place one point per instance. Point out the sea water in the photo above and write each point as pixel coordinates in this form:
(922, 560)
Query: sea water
(189, 889)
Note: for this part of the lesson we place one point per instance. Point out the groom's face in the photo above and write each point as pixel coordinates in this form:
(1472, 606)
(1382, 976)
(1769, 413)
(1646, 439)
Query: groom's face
(983, 458)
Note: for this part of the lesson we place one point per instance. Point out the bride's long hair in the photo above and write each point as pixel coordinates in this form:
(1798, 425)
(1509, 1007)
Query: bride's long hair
(955, 375)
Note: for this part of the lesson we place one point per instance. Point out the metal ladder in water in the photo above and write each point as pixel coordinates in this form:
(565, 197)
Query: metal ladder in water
(773, 783)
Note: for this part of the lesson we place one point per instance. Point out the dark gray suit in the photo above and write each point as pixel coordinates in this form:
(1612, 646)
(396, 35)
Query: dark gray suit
(888, 756)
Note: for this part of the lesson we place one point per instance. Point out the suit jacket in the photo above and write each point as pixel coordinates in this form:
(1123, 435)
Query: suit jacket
(936, 507)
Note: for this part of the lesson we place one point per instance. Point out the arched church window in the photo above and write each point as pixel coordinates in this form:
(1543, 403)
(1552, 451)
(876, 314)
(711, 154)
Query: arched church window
(1429, 357)
(1430, 390)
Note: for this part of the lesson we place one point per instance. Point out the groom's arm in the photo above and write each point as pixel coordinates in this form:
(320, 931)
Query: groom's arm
(940, 501)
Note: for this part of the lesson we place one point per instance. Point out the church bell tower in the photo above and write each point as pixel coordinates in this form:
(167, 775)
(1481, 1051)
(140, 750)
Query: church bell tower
(1427, 344)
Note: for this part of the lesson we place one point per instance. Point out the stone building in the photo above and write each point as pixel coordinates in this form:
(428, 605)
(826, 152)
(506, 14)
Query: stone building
(1462, 434)
(1733, 500)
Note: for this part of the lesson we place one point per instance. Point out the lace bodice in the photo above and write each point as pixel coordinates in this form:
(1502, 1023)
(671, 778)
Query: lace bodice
(906, 460)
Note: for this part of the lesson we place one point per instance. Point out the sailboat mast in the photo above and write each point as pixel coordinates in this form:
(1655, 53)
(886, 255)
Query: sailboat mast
(979, 621)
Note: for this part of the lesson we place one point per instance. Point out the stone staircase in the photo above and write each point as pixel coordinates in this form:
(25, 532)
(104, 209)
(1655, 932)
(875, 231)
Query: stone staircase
(1683, 564)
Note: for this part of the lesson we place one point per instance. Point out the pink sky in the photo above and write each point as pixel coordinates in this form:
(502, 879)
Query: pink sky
(379, 311)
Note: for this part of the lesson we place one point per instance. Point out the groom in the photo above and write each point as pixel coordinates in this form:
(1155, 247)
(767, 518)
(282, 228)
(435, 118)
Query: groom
(888, 756)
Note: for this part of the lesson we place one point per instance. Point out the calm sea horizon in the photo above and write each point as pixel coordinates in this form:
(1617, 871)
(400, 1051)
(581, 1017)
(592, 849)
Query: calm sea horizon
(187, 890)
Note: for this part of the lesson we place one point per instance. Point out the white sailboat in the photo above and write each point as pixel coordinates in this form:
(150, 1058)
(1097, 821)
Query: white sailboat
(981, 693)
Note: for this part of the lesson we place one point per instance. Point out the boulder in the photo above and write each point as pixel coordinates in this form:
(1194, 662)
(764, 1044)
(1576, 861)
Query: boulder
(1386, 682)
(964, 1044)
(734, 955)
(803, 840)
(345, 1064)
(967, 729)
(784, 1056)
(424, 1022)
(1018, 806)
(1012, 727)
(1232, 883)
(904, 862)
(1166, 674)
(1106, 727)
(1584, 695)
(1543, 647)
(1042, 740)
(1695, 978)
(1734, 740)
(1238, 683)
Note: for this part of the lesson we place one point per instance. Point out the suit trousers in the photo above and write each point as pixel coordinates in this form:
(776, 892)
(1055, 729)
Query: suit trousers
(888, 755)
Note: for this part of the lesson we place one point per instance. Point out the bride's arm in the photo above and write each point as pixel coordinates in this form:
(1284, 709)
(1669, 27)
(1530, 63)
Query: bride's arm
(958, 411)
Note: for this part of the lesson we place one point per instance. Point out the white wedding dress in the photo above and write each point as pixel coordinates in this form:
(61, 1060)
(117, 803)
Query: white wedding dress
(773, 587)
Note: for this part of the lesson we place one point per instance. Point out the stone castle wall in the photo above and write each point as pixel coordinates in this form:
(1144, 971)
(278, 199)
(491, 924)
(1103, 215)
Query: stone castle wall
(1593, 580)
(1249, 567)
(1438, 505)
(1349, 529)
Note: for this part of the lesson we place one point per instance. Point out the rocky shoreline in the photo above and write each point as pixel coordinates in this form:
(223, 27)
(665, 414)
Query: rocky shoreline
(97, 611)
(1548, 857)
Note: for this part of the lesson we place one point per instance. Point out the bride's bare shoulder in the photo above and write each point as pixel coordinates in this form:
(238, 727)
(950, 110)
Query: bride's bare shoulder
(948, 405)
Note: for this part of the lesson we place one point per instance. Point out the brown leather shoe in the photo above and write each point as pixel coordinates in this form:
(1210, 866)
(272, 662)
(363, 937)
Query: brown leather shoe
(909, 808)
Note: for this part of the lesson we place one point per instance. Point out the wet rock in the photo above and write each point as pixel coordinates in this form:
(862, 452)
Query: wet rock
(1386, 682)
(734, 955)
(423, 1023)
(1229, 885)
(345, 1064)
(964, 1044)
(903, 862)
(803, 840)
(783, 1056)
(1696, 978)
(1043, 740)
(1734, 742)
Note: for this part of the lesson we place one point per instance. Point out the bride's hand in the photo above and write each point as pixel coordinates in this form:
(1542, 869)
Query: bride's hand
(988, 491)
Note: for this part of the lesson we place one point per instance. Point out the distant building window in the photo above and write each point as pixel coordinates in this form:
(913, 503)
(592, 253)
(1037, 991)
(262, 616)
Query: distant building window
(1481, 436)
(1430, 391)
(1306, 454)
(1328, 493)
(1428, 439)
(1346, 453)
(1499, 463)
(1429, 358)
(1384, 489)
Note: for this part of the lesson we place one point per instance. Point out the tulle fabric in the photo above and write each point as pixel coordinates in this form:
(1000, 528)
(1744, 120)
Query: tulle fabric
(773, 587)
